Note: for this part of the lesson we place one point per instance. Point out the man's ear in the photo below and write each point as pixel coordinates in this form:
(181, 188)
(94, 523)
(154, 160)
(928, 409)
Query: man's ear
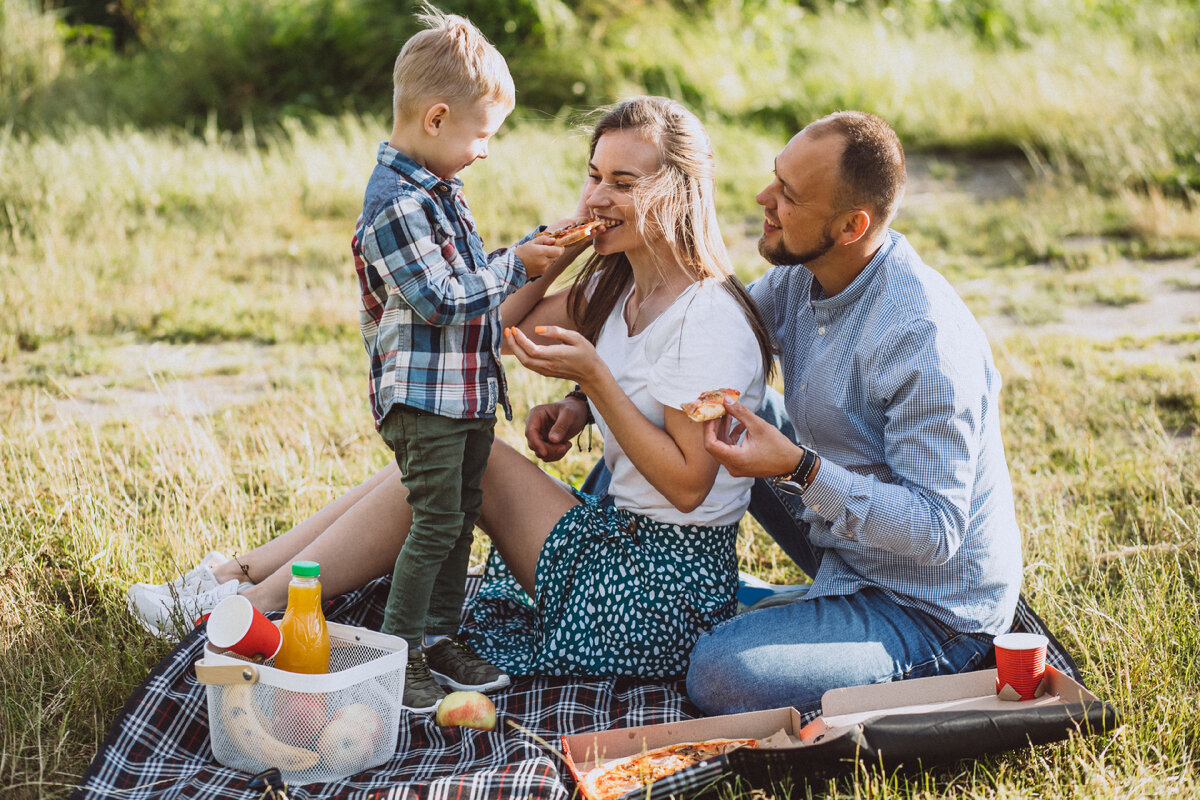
(854, 226)
(435, 115)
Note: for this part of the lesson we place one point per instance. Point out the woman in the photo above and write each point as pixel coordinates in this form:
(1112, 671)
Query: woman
(654, 318)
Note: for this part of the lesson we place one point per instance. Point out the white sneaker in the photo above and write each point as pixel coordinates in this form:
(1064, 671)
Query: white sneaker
(198, 579)
(169, 616)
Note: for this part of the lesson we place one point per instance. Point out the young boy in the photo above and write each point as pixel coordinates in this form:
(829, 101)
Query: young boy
(431, 324)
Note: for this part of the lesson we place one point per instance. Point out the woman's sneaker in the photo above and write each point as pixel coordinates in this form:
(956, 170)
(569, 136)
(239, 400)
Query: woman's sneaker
(197, 580)
(456, 665)
(421, 692)
(171, 615)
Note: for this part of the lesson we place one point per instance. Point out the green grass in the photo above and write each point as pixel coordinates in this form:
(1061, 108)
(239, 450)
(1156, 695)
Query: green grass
(219, 265)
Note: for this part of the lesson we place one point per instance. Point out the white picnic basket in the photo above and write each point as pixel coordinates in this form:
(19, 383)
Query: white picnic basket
(312, 728)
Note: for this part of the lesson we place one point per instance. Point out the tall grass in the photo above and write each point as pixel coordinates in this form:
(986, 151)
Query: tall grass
(32, 55)
(1094, 88)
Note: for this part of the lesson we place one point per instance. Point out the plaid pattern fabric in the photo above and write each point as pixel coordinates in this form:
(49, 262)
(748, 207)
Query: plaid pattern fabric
(158, 748)
(430, 296)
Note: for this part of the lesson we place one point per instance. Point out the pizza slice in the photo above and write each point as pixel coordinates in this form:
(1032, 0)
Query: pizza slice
(575, 232)
(624, 775)
(710, 405)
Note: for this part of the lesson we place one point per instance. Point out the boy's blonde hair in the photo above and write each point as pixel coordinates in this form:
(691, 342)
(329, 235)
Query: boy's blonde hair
(451, 60)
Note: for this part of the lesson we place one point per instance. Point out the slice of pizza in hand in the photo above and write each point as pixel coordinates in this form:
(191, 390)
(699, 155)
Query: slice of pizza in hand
(710, 404)
(575, 232)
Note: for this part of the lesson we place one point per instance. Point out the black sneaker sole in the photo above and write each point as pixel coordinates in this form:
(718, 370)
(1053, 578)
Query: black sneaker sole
(446, 680)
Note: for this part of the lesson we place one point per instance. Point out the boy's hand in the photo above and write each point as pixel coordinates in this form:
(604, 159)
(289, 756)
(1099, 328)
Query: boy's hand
(537, 254)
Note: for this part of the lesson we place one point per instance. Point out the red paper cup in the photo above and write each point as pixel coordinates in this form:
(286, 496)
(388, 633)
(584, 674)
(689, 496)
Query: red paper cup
(1020, 663)
(237, 625)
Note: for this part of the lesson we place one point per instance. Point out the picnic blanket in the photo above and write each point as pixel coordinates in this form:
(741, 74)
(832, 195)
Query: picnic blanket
(158, 747)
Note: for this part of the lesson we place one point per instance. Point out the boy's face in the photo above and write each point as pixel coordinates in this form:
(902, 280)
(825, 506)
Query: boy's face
(461, 134)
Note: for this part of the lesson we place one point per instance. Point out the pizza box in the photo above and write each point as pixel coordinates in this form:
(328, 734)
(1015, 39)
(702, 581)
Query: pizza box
(906, 724)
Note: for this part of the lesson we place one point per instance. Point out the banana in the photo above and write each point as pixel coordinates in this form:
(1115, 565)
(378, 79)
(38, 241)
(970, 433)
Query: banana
(246, 728)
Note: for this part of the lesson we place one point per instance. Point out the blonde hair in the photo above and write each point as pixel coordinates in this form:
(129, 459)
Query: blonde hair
(677, 202)
(451, 61)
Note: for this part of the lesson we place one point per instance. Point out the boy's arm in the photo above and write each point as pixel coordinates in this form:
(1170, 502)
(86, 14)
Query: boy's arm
(531, 304)
(401, 246)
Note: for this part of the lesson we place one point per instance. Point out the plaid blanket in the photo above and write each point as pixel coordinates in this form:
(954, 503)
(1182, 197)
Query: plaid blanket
(158, 748)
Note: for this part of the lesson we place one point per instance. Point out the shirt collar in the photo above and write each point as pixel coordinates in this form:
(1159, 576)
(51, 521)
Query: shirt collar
(860, 283)
(406, 166)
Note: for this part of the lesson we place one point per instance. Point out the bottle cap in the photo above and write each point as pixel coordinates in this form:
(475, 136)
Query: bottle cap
(306, 569)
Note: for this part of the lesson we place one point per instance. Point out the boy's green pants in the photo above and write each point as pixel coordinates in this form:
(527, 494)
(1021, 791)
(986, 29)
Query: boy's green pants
(442, 461)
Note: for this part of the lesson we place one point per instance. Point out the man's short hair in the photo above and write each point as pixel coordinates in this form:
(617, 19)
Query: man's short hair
(450, 61)
(872, 168)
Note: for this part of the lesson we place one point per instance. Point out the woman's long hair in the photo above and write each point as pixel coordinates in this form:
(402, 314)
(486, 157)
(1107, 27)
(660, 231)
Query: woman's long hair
(677, 202)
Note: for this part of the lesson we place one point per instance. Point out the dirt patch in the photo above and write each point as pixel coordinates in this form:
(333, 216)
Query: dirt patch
(162, 381)
(1163, 324)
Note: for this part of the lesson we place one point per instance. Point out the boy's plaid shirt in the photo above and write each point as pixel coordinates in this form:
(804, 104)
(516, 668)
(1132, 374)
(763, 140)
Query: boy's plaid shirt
(430, 295)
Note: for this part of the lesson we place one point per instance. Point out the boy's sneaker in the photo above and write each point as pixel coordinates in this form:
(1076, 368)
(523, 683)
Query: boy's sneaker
(169, 616)
(421, 692)
(456, 665)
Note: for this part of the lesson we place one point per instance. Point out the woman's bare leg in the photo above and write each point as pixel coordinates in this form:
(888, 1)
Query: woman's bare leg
(357, 537)
(521, 505)
(261, 562)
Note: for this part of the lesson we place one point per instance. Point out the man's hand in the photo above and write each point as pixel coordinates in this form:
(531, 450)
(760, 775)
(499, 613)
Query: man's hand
(762, 452)
(550, 428)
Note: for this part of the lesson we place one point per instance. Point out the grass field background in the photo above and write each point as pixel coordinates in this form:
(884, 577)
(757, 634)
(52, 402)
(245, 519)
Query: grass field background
(180, 366)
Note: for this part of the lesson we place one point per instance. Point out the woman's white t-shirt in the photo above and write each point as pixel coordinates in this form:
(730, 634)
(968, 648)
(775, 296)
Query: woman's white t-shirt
(702, 341)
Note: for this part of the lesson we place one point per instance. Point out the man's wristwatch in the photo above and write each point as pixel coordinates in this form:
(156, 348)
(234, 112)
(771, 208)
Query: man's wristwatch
(799, 479)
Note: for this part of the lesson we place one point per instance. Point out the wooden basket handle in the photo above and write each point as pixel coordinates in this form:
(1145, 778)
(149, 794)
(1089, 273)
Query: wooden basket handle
(226, 674)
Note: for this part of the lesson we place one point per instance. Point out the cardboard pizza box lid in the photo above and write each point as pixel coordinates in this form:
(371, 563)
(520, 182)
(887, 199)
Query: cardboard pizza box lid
(842, 711)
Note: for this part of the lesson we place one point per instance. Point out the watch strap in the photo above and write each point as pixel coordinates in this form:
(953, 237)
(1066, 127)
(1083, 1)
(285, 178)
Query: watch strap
(797, 481)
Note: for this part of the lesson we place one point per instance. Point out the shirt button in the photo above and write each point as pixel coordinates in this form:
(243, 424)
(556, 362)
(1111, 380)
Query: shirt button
(821, 330)
(804, 387)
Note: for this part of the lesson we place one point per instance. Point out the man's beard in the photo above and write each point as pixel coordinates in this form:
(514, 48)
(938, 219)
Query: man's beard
(781, 256)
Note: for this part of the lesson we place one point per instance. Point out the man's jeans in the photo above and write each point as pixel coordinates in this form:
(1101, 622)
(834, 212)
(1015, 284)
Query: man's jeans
(792, 654)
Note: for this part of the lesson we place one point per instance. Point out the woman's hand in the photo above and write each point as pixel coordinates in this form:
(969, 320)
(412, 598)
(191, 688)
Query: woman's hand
(571, 356)
(551, 427)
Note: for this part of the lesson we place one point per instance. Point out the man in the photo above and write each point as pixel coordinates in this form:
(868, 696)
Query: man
(895, 494)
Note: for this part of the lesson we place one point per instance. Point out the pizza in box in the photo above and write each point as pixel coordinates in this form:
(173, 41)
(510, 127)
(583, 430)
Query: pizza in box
(616, 778)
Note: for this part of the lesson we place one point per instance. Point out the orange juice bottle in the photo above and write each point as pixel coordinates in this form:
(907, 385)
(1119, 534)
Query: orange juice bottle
(305, 636)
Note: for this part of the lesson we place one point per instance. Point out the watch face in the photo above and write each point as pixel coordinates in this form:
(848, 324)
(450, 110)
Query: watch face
(789, 487)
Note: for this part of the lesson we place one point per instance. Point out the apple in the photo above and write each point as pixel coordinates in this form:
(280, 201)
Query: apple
(350, 738)
(299, 716)
(467, 709)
